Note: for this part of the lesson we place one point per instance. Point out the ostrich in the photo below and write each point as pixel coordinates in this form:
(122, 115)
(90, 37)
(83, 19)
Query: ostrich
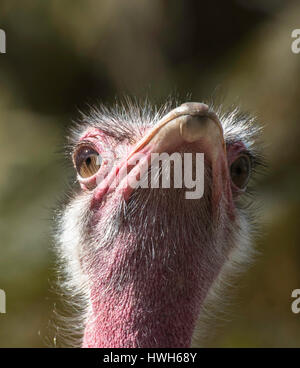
(139, 263)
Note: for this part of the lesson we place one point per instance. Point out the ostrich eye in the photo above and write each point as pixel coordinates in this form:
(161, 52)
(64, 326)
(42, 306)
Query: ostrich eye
(240, 171)
(87, 161)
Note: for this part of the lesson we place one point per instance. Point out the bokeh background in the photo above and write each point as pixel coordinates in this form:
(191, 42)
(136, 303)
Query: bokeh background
(62, 55)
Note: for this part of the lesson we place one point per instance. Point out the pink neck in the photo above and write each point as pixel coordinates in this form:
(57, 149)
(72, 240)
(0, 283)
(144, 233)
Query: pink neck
(156, 307)
(125, 322)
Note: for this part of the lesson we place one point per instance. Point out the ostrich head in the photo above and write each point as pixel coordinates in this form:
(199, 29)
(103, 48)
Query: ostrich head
(143, 260)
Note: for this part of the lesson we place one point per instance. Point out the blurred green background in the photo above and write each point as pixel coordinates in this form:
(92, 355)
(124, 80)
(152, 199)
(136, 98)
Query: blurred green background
(64, 54)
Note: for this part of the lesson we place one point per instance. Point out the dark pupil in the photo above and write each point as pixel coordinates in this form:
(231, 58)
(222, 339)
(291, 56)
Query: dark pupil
(240, 172)
(88, 161)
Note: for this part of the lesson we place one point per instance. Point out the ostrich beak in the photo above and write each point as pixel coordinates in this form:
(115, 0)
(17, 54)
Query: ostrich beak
(190, 123)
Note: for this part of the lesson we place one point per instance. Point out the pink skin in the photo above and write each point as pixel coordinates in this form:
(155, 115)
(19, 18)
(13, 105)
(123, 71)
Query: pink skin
(157, 303)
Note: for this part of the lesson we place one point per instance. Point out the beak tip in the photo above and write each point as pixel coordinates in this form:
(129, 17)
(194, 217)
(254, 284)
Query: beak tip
(194, 108)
